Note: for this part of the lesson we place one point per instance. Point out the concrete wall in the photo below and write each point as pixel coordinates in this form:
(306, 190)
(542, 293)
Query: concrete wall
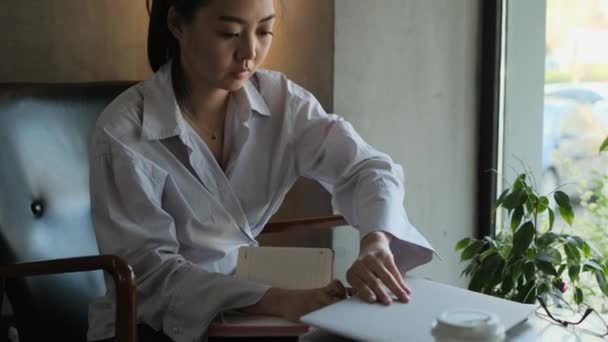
(406, 77)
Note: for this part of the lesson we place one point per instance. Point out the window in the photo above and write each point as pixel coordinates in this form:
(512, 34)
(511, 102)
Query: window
(553, 112)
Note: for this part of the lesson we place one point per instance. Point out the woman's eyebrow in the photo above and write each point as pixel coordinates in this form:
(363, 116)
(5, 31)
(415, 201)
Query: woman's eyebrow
(232, 19)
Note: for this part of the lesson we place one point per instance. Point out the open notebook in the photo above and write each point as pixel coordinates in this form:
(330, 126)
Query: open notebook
(284, 267)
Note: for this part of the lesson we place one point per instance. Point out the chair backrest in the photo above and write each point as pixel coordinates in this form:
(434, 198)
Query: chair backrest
(44, 201)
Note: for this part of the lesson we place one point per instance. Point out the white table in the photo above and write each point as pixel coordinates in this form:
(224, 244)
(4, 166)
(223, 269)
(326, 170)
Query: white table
(535, 329)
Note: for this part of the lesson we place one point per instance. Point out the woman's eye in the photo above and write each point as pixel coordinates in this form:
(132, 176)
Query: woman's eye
(228, 35)
(265, 33)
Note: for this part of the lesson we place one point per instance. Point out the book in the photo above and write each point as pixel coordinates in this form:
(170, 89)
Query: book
(283, 267)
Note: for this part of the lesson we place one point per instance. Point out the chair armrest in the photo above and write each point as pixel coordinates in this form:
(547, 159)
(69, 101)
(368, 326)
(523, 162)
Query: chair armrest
(116, 266)
(305, 224)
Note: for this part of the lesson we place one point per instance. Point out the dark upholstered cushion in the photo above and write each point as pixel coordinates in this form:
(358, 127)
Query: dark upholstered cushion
(44, 200)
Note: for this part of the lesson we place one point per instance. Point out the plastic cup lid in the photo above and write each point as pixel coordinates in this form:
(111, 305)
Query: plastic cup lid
(468, 324)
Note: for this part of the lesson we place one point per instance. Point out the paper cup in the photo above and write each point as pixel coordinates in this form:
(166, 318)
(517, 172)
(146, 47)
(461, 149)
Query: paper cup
(468, 325)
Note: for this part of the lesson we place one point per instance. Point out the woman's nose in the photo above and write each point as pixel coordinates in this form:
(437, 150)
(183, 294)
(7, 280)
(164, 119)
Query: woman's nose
(247, 48)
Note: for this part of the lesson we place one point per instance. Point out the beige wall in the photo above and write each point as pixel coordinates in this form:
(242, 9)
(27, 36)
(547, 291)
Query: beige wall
(412, 92)
(100, 40)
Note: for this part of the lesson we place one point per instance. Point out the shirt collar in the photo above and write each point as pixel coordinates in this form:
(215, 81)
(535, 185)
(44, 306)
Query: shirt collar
(162, 116)
(255, 99)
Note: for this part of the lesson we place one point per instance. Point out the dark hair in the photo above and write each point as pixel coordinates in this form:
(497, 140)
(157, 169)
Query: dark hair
(162, 46)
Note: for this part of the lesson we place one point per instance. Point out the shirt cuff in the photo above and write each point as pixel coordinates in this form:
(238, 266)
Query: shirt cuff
(410, 249)
(200, 297)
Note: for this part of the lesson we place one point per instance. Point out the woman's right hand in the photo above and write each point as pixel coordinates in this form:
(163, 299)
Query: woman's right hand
(297, 303)
(293, 304)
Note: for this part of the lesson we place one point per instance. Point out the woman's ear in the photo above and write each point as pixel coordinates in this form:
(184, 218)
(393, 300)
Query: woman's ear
(175, 23)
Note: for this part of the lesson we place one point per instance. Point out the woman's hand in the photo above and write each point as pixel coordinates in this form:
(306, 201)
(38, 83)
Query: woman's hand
(374, 274)
(293, 304)
(298, 303)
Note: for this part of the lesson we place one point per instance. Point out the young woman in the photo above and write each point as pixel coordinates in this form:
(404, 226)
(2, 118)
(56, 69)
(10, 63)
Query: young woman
(190, 165)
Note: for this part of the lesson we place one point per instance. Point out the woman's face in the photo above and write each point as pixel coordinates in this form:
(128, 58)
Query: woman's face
(225, 41)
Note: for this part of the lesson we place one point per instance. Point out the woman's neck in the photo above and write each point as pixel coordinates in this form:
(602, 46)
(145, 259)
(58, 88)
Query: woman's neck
(204, 103)
(207, 104)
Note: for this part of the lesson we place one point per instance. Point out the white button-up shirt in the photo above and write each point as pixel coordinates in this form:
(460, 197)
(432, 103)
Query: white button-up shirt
(160, 199)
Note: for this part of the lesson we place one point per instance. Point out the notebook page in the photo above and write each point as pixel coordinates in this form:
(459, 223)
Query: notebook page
(286, 267)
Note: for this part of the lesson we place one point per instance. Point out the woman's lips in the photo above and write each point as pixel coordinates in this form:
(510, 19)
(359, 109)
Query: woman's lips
(240, 74)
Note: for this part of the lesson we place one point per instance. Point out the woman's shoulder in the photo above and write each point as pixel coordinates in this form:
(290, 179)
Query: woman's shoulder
(123, 113)
(276, 82)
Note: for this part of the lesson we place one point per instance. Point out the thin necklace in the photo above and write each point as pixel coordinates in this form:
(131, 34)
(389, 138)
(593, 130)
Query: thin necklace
(183, 98)
(186, 107)
(195, 123)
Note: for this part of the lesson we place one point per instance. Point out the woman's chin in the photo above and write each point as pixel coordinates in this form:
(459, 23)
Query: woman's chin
(233, 84)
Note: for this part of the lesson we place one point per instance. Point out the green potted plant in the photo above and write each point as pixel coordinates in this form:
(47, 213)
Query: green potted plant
(530, 258)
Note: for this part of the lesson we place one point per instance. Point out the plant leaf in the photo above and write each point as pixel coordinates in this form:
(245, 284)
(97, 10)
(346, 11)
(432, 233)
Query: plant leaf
(516, 269)
(565, 209)
(545, 267)
(586, 249)
(463, 243)
(572, 254)
(547, 239)
(489, 267)
(520, 182)
(515, 199)
(551, 255)
(543, 204)
(471, 268)
(562, 199)
(506, 286)
(475, 283)
(531, 202)
(601, 281)
(551, 218)
(501, 198)
(604, 146)
(593, 265)
(526, 292)
(523, 238)
(471, 250)
(530, 271)
(578, 295)
(576, 241)
(573, 272)
(518, 213)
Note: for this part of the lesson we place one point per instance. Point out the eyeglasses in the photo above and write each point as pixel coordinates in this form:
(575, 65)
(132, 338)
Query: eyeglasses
(585, 318)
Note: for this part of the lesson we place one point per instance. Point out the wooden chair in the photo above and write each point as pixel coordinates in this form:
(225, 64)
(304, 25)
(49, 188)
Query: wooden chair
(49, 262)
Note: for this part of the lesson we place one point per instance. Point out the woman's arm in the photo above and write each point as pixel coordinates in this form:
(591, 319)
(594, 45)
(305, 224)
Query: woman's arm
(367, 188)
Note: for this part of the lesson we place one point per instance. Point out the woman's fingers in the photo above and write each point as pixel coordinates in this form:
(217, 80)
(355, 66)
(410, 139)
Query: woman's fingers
(361, 290)
(336, 289)
(374, 284)
(392, 268)
(381, 269)
(332, 293)
(374, 275)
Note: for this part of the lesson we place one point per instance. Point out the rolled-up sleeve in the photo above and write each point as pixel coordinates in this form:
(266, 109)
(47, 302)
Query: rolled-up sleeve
(174, 295)
(366, 185)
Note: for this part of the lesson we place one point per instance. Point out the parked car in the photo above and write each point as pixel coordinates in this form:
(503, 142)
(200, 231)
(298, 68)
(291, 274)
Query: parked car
(575, 124)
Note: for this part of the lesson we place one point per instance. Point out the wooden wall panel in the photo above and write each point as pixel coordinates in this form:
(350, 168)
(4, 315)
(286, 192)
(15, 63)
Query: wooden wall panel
(73, 40)
(103, 40)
